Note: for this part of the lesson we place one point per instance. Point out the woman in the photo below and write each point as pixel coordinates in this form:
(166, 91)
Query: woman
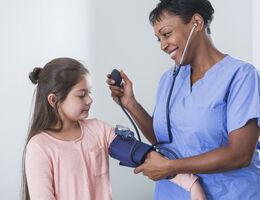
(214, 109)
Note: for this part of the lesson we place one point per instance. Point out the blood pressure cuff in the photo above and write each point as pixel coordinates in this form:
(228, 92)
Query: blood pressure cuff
(129, 151)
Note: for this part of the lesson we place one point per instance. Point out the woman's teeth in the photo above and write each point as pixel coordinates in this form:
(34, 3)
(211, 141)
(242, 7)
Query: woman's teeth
(173, 54)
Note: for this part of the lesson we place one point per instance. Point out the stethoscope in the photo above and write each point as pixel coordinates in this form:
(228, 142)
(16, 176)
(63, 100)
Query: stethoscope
(175, 73)
(157, 146)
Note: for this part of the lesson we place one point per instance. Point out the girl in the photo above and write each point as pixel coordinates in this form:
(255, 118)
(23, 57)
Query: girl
(66, 155)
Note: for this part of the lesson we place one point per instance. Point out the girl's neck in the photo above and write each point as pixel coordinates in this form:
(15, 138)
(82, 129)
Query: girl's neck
(70, 131)
(70, 126)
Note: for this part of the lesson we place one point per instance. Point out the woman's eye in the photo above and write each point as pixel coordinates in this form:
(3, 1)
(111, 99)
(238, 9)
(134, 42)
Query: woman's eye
(81, 97)
(165, 35)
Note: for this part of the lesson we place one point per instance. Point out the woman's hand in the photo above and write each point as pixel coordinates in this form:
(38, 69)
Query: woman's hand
(125, 91)
(155, 167)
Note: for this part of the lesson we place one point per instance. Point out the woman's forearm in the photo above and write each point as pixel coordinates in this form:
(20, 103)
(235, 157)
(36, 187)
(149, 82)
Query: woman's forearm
(143, 120)
(218, 160)
(237, 154)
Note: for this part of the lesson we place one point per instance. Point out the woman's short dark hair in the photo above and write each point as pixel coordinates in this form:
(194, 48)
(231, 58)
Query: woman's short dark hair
(185, 9)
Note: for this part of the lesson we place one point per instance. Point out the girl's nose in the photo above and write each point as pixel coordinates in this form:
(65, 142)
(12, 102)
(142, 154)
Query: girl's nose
(89, 100)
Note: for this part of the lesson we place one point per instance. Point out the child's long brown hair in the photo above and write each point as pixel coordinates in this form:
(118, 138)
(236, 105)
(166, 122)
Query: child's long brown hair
(58, 77)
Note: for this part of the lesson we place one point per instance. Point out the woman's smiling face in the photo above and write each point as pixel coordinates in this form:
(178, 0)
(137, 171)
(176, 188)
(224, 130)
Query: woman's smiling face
(172, 34)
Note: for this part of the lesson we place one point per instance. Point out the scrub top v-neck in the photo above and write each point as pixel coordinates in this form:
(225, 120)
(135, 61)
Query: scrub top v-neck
(201, 118)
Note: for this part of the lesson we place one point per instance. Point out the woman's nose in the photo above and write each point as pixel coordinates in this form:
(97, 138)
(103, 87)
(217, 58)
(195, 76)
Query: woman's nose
(164, 45)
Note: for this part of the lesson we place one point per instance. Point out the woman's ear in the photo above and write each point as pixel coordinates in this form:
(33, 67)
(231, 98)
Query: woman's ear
(198, 19)
(52, 98)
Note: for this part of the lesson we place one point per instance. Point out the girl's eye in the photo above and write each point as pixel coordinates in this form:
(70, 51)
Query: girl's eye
(82, 96)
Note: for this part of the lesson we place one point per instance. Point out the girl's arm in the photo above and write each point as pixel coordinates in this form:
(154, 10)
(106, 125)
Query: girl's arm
(38, 171)
(190, 183)
(196, 192)
(184, 180)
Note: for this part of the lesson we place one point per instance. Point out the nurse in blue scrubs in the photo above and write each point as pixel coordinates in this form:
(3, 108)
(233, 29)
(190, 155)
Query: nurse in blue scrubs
(214, 110)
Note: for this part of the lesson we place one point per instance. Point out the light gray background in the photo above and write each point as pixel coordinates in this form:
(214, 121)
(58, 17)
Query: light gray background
(103, 35)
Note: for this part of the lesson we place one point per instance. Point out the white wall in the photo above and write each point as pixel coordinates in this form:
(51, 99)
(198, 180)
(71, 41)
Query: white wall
(256, 32)
(104, 35)
(232, 28)
(32, 32)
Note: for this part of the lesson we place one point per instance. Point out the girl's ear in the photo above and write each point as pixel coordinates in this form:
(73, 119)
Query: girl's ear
(52, 99)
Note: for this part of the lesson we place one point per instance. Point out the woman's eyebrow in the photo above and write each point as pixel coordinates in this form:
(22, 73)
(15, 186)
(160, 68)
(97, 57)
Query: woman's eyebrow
(163, 28)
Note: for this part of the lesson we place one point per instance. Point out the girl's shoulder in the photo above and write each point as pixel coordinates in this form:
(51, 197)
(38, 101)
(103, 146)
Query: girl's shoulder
(96, 126)
(98, 129)
(40, 143)
(94, 123)
(38, 139)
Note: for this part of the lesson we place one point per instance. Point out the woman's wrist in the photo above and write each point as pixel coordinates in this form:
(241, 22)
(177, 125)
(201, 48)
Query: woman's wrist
(132, 105)
(171, 167)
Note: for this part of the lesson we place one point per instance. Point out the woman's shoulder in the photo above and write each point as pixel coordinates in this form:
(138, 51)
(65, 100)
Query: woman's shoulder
(165, 76)
(167, 73)
(238, 66)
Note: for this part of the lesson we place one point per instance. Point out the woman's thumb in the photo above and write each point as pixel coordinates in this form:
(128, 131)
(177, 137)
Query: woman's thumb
(124, 76)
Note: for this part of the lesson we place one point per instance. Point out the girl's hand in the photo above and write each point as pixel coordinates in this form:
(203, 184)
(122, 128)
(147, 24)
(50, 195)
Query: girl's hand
(155, 167)
(125, 91)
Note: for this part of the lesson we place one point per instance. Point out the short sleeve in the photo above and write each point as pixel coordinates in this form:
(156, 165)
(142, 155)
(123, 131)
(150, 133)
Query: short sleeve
(243, 102)
(38, 173)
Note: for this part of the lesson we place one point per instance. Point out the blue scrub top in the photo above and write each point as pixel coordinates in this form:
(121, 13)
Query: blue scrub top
(202, 116)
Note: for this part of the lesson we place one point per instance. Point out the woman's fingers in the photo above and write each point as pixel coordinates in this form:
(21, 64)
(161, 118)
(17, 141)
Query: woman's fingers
(110, 81)
(125, 77)
(116, 91)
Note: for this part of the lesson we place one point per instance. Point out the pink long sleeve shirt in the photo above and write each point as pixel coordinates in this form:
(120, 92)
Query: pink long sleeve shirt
(70, 170)
(75, 170)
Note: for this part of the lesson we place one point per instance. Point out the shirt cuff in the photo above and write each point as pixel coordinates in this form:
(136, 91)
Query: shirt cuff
(184, 180)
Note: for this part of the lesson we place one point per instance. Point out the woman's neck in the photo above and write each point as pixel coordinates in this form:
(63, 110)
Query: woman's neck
(206, 55)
